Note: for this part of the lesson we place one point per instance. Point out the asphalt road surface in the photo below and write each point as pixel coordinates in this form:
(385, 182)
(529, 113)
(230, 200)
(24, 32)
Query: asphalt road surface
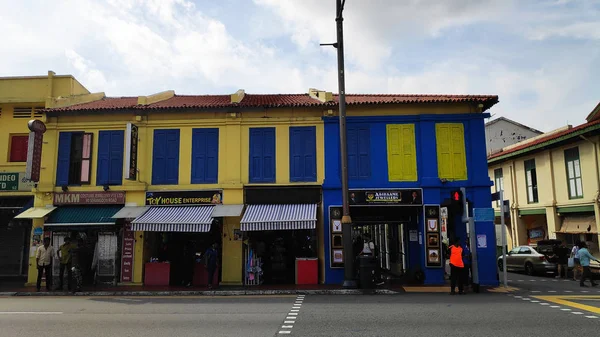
(485, 314)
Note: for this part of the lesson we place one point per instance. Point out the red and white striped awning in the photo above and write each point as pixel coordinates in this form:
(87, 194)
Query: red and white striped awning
(279, 217)
(175, 219)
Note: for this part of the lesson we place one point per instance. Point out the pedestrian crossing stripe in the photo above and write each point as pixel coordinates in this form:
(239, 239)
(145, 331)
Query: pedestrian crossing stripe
(568, 301)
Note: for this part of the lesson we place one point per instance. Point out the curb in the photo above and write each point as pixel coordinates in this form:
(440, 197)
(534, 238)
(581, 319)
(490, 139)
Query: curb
(206, 293)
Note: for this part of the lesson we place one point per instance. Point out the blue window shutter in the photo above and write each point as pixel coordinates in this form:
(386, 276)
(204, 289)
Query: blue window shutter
(364, 153)
(256, 154)
(296, 157)
(303, 148)
(117, 145)
(64, 159)
(269, 156)
(172, 155)
(212, 156)
(205, 156)
(159, 157)
(103, 167)
(352, 152)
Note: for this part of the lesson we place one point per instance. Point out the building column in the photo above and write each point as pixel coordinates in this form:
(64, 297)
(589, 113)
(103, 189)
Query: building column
(553, 222)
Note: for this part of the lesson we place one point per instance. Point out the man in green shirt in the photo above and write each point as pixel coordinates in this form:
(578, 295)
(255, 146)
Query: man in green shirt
(64, 255)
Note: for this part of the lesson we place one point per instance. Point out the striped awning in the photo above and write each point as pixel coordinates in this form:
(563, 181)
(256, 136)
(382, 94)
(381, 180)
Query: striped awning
(189, 219)
(279, 217)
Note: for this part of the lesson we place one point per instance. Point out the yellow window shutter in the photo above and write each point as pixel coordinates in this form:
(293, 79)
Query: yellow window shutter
(450, 141)
(402, 156)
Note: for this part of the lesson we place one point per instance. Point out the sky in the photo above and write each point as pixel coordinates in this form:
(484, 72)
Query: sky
(541, 57)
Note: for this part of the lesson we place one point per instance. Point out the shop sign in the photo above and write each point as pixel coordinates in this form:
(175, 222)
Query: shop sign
(34, 149)
(15, 182)
(131, 151)
(182, 198)
(89, 198)
(127, 257)
(386, 197)
(336, 257)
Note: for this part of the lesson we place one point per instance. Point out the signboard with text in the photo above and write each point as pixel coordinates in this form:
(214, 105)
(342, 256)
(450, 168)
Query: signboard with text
(89, 198)
(386, 197)
(182, 198)
(127, 256)
(13, 181)
(131, 150)
(34, 149)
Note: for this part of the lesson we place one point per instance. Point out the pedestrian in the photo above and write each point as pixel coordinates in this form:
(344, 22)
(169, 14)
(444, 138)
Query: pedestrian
(457, 268)
(576, 265)
(561, 254)
(210, 261)
(584, 258)
(467, 262)
(64, 256)
(43, 261)
(76, 262)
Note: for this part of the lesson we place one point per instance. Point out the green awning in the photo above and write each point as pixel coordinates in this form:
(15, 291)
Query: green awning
(576, 209)
(539, 211)
(83, 215)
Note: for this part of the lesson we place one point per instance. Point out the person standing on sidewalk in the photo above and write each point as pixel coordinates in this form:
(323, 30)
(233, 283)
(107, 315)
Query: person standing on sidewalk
(562, 260)
(457, 268)
(584, 258)
(43, 261)
(210, 260)
(576, 263)
(467, 262)
(64, 256)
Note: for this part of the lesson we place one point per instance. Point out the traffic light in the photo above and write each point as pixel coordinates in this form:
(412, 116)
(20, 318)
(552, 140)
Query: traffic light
(457, 201)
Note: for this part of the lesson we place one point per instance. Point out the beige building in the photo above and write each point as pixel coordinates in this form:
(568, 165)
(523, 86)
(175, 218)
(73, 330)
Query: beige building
(552, 183)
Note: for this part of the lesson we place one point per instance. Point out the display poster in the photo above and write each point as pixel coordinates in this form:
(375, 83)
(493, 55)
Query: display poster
(127, 255)
(336, 237)
(433, 242)
(413, 235)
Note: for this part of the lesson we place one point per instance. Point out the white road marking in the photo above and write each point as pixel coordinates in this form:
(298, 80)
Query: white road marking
(585, 291)
(290, 317)
(521, 280)
(577, 313)
(526, 299)
(544, 304)
(518, 296)
(536, 291)
(285, 332)
(31, 312)
(535, 301)
(555, 306)
(293, 314)
(591, 316)
(288, 322)
(287, 326)
(294, 310)
(565, 309)
(295, 307)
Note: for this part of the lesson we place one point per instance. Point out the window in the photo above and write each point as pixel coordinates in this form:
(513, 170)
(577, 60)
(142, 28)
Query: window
(402, 153)
(515, 251)
(262, 155)
(359, 152)
(165, 157)
(205, 156)
(303, 153)
(74, 158)
(498, 182)
(524, 251)
(110, 158)
(574, 173)
(451, 154)
(18, 148)
(531, 181)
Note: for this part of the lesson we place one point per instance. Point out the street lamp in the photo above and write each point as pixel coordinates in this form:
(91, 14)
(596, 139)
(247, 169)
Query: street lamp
(349, 281)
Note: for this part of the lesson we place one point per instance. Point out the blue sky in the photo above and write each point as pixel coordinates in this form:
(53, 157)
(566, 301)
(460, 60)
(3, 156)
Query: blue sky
(542, 57)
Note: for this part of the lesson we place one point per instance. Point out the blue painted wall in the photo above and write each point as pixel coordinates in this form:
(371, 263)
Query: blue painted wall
(434, 191)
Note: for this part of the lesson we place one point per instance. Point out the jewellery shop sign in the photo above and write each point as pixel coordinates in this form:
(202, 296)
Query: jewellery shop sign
(386, 197)
(183, 198)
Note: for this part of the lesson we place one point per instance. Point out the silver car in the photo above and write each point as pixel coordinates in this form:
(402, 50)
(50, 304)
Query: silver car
(527, 259)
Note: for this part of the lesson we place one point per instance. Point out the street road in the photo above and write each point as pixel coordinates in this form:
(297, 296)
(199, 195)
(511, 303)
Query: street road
(485, 314)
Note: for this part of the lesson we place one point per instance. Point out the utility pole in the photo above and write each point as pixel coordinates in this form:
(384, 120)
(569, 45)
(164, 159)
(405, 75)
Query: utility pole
(349, 279)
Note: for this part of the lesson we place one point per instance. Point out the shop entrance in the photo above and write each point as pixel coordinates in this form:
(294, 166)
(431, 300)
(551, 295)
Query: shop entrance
(184, 253)
(270, 256)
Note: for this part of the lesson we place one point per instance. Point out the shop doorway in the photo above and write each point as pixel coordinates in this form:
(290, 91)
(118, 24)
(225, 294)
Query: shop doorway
(270, 256)
(391, 248)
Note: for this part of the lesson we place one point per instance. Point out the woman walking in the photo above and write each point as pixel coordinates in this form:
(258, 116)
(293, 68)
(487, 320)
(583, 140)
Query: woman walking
(584, 258)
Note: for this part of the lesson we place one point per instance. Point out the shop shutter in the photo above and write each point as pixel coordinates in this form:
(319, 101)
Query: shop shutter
(262, 155)
(451, 153)
(359, 152)
(159, 157)
(402, 158)
(64, 158)
(18, 148)
(117, 146)
(352, 152)
(303, 157)
(205, 156)
(172, 169)
(103, 167)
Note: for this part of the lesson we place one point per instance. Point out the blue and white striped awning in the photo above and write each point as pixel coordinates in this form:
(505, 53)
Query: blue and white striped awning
(279, 217)
(175, 219)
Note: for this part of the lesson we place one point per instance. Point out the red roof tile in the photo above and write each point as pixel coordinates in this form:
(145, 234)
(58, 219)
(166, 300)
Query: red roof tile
(272, 101)
(545, 139)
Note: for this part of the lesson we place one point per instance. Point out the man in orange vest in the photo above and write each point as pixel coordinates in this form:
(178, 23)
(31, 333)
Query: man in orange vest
(457, 267)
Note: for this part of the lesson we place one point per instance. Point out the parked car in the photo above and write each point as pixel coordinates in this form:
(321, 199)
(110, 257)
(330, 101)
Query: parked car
(529, 260)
